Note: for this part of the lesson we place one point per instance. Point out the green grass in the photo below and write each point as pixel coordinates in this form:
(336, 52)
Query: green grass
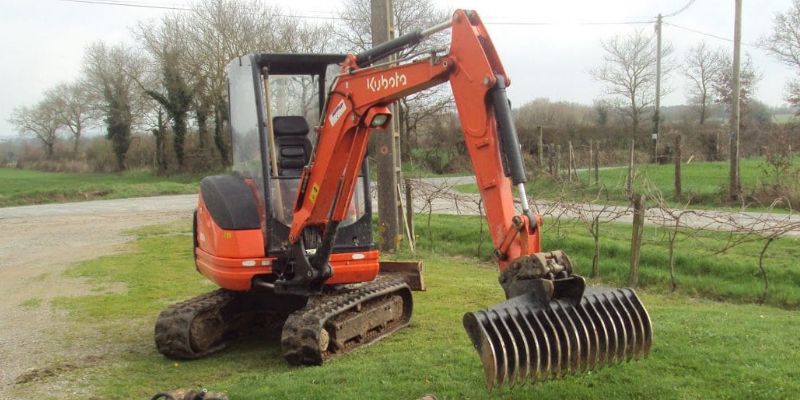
(702, 349)
(785, 118)
(23, 187)
(704, 184)
(31, 303)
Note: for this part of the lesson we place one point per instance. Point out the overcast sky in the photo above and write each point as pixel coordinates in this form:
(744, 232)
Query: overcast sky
(42, 41)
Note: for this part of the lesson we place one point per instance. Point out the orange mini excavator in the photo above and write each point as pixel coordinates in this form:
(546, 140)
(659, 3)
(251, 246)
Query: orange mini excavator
(287, 235)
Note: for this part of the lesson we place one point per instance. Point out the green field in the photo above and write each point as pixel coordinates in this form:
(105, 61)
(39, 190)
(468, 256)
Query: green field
(703, 349)
(22, 187)
(704, 184)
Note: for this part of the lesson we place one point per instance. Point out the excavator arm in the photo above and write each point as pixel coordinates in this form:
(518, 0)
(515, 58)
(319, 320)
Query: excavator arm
(551, 324)
(358, 103)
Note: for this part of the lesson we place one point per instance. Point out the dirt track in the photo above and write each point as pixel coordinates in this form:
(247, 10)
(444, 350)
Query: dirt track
(38, 244)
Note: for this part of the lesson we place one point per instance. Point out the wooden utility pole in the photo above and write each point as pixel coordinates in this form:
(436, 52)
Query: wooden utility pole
(387, 154)
(735, 182)
(657, 116)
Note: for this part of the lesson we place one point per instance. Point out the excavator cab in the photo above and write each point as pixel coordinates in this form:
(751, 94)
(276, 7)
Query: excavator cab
(275, 103)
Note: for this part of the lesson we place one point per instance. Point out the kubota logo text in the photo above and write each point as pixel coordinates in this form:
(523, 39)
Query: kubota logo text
(382, 83)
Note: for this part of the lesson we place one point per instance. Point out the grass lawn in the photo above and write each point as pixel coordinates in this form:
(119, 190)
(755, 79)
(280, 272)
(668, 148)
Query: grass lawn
(703, 349)
(23, 187)
(704, 184)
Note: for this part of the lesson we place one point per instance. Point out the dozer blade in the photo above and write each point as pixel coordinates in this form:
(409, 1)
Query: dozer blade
(526, 340)
(409, 271)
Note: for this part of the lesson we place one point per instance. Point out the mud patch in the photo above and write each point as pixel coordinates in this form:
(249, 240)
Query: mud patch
(40, 374)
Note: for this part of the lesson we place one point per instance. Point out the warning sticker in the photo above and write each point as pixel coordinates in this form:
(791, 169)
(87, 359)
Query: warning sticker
(314, 191)
(337, 112)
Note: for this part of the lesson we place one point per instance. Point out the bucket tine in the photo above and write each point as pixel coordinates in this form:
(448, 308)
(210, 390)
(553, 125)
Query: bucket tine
(535, 352)
(512, 354)
(609, 331)
(630, 340)
(594, 332)
(571, 332)
(557, 351)
(485, 342)
(622, 334)
(546, 348)
(583, 337)
(646, 324)
(501, 353)
(523, 350)
(638, 326)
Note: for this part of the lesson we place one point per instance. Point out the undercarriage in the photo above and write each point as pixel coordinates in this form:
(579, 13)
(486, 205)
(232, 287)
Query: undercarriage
(342, 319)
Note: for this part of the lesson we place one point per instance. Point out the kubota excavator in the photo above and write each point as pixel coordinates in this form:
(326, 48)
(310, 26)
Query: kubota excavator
(288, 238)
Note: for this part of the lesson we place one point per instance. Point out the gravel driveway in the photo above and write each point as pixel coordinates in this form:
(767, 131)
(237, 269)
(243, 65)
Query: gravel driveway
(38, 244)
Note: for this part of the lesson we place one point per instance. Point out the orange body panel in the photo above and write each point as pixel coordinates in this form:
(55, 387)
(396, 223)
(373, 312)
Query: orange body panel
(232, 258)
(354, 267)
(231, 273)
(224, 243)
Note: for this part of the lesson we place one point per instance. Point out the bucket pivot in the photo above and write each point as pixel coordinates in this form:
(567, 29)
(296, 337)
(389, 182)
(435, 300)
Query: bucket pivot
(557, 327)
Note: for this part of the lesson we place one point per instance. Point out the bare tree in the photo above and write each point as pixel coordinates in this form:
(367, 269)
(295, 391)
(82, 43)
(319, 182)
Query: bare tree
(73, 108)
(218, 31)
(592, 212)
(629, 72)
(112, 73)
(723, 83)
(167, 43)
(784, 45)
(40, 120)
(793, 95)
(702, 67)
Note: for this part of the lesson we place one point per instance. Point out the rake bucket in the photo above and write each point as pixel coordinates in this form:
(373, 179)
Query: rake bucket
(532, 338)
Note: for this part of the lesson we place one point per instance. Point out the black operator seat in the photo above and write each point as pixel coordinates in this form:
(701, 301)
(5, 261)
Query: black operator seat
(293, 145)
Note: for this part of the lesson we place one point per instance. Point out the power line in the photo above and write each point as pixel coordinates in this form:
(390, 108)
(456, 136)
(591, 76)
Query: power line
(187, 8)
(708, 34)
(689, 4)
(130, 4)
(333, 17)
(569, 23)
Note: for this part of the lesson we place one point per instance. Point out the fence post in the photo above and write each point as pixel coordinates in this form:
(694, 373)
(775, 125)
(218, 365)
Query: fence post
(541, 150)
(571, 160)
(558, 161)
(677, 159)
(412, 237)
(636, 237)
(629, 184)
(597, 163)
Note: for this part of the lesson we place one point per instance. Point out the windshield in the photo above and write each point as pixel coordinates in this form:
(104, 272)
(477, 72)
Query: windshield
(244, 119)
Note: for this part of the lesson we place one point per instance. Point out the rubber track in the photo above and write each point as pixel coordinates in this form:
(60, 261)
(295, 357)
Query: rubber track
(173, 327)
(300, 336)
